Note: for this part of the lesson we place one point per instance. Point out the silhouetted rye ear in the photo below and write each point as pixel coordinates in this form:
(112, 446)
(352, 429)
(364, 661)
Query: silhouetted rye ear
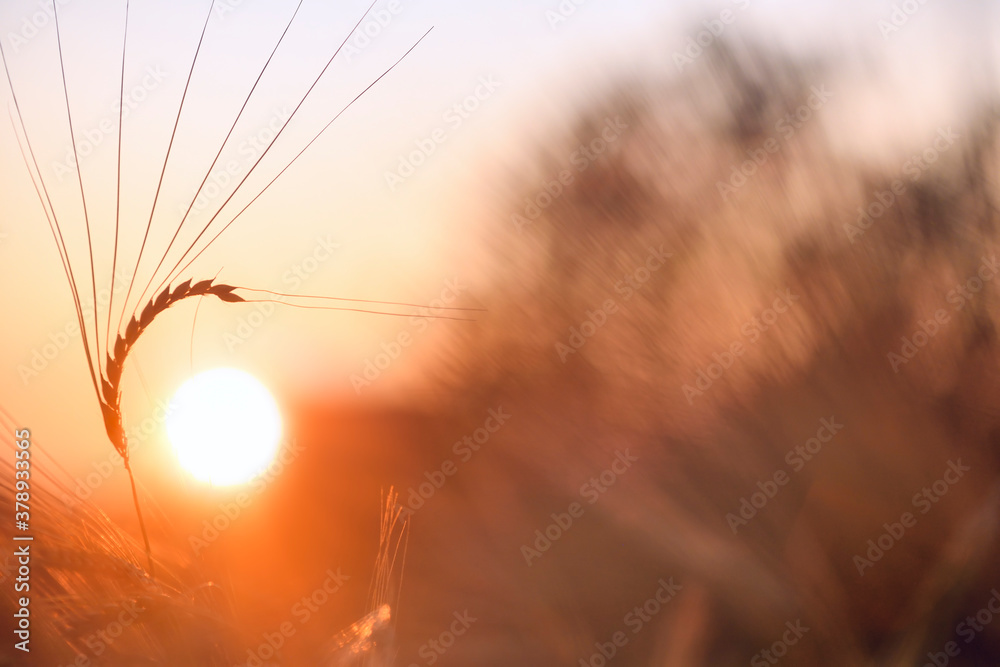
(106, 372)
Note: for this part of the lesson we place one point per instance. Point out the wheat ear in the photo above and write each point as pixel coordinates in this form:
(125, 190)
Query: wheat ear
(111, 383)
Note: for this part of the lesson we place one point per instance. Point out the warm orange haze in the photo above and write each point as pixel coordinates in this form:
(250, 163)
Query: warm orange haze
(505, 333)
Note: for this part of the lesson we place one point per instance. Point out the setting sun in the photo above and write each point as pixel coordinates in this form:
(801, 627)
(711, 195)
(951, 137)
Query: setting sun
(224, 426)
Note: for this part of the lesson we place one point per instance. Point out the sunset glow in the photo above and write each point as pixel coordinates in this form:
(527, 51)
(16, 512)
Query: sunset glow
(224, 426)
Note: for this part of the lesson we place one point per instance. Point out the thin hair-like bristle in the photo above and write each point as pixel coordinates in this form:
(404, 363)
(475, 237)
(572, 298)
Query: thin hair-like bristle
(218, 155)
(41, 189)
(360, 310)
(118, 191)
(79, 176)
(175, 271)
(340, 298)
(166, 160)
(266, 150)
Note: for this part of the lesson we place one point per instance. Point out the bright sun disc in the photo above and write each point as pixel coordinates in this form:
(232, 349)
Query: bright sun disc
(224, 426)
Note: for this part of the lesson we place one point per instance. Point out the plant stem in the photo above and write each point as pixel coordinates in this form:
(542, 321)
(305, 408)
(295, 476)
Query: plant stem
(142, 524)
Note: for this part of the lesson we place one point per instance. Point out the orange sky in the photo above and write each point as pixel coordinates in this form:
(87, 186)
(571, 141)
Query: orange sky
(332, 225)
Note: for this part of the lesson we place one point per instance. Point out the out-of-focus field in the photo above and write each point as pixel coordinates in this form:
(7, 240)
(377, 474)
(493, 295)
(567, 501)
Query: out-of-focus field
(734, 399)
